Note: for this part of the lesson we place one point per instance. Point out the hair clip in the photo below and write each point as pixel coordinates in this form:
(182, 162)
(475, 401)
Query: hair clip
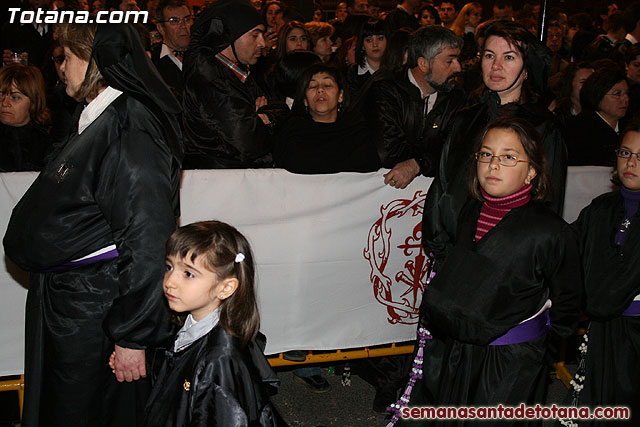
(239, 257)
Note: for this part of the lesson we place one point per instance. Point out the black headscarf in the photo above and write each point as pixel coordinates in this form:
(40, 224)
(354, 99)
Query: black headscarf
(124, 64)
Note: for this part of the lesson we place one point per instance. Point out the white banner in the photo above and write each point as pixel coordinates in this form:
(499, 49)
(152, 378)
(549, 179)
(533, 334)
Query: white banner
(340, 263)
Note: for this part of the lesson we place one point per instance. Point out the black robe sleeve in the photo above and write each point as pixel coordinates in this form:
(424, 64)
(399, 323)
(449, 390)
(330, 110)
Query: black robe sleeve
(137, 202)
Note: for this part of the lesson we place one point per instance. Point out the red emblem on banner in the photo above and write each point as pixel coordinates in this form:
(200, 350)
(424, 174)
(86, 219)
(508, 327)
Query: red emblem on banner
(398, 263)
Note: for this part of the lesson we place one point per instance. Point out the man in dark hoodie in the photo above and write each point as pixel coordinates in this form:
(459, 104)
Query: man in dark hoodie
(222, 124)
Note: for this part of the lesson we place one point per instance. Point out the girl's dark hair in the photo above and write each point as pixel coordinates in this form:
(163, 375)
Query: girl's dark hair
(373, 27)
(281, 47)
(531, 141)
(397, 50)
(303, 82)
(597, 86)
(290, 68)
(432, 10)
(561, 85)
(632, 126)
(218, 244)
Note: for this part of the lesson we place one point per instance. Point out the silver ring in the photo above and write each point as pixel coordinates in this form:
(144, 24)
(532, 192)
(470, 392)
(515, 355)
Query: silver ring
(393, 182)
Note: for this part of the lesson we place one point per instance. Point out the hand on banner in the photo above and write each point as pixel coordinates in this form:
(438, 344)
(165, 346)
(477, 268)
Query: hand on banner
(128, 364)
(402, 174)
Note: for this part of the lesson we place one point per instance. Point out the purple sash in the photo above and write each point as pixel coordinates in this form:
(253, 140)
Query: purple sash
(633, 309)
(113, 253)
(526, 331)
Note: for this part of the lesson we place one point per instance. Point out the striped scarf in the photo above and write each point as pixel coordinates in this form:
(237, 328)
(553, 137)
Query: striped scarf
(495, 208)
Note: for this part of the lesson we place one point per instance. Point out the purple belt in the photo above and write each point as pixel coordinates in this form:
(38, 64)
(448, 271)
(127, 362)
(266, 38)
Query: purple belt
(633, 309)
(113, 253)
(526, 331)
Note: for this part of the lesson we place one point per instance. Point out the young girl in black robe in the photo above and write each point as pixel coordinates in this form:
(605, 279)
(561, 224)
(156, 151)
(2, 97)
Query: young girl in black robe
(510, 283)
(609, 237)
(216, 373)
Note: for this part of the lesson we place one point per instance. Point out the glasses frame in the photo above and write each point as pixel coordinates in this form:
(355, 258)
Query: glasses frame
(617, 151)
(500, 159)
(177, 21)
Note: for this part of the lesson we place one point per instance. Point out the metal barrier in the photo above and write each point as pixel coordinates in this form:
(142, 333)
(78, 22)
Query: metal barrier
(15, 384)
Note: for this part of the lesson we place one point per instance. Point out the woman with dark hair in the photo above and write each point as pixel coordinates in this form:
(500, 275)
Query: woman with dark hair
(514, 68)
(567, 86)
(370, 48)
(593, 134)
(292, 36)
(91, 230)
(287, 72)
(428, 15)
(397, 52)
(324, 137)
(609, 239)
(23, 116)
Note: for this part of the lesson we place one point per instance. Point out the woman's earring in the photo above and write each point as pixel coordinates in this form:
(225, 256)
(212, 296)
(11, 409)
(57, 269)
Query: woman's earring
(339, 107)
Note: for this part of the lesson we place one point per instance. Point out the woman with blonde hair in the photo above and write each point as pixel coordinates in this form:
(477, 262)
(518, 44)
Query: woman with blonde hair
(23, 116)
(465, 26)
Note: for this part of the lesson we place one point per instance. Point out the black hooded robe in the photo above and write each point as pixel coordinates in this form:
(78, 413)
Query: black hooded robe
(213, 382)
(612, 280)
(115, 183)
(484, 289)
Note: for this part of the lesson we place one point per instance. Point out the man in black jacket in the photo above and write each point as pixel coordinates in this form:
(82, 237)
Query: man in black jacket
(174, 20)
(223, 129)
(408, 110)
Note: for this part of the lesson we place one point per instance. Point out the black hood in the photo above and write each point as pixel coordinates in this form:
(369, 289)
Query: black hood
(123, 62)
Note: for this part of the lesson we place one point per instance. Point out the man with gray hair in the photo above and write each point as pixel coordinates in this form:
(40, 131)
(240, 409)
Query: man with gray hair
(409, 110)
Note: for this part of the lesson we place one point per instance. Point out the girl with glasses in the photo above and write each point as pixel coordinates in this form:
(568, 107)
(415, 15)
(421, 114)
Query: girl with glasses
(506, 290)
(609, 237)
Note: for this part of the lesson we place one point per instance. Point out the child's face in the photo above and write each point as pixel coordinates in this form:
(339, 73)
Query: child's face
(190, 286)
(495, 178)
(628, 169)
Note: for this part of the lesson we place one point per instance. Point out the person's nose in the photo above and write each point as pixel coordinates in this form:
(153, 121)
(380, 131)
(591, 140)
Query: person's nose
(261, 43)
(5, 100)
(496, 164)
(299, 44)
(497, 64)
(456, 66)
(632, 161)
(374, 42)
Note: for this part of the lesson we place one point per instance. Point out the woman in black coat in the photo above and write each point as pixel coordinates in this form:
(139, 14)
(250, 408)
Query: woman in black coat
(320, 137)
(91, 230)
(24, 139)
(514, 70)
(592, 136)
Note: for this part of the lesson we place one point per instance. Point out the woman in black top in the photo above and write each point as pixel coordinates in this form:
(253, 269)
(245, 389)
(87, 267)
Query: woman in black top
(323, 138)
(24, 139)
(91, 230)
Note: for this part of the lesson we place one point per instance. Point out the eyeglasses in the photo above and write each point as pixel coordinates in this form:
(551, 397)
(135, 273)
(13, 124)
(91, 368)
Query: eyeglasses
(618, 93)
(626, 154)
(508, 160)
(175, 21)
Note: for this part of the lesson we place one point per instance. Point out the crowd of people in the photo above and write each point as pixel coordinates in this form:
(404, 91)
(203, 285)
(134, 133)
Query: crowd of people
(463, 93)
